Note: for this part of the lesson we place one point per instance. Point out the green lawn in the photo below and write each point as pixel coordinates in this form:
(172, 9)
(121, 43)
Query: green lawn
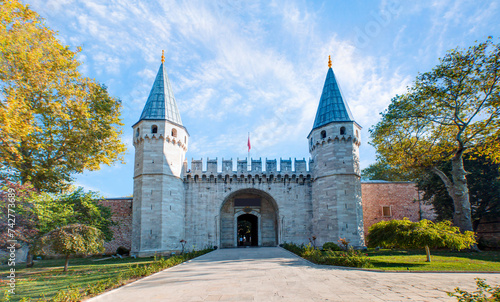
(47, 277)
(487, 261)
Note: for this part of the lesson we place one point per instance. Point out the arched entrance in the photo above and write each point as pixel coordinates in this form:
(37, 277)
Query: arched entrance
(248, 217)
(248, 230)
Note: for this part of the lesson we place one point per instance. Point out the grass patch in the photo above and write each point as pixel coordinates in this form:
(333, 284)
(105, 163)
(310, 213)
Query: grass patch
(403, 260)
(414, 260)
(85, 277)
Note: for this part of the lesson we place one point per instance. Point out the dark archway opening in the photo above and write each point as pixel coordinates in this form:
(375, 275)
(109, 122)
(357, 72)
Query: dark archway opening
(248, 230)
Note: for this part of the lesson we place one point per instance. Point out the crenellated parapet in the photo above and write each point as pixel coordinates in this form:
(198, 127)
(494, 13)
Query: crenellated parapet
(257, 170)
(139, 139)
(338, 139)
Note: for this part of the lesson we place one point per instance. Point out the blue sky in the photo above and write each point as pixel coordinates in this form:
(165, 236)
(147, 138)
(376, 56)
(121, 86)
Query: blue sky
(259, 67)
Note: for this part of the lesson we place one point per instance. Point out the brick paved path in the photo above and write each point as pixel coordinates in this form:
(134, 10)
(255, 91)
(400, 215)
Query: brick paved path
(274, 274)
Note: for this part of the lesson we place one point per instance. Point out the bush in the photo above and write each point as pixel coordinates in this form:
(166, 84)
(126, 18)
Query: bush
(484, 293)
(296, 249)
(350, 258)
(330, 246)
(344, 244)
(69, 295)
(312, 254)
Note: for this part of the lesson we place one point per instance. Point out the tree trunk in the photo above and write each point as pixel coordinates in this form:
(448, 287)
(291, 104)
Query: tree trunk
(66, 263)
(29, 259)
(462, 214)
(458, 191)
(428, 253)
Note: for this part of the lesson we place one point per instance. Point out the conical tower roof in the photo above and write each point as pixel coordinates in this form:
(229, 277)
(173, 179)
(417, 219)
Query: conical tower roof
(161, 104)
(332, 107)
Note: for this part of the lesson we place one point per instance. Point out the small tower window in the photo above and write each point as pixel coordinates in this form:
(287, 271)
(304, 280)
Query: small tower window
(137, 133)
(174, 132)
(185, 139)
(342, 130)
(357, 133)
(323, 134)
(154, 129)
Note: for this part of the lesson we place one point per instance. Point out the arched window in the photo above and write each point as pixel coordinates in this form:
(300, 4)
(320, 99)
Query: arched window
(342, 130)
(154, 129)
(174, 132)
(323, 134)
(137, 133)
(357, 133)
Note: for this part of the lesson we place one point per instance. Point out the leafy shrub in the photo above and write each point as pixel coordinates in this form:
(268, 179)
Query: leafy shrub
(312, 254)
(484, 293)
(296, 249)
(344, 244)
(350, 258)
(330, 246)
(69, 295)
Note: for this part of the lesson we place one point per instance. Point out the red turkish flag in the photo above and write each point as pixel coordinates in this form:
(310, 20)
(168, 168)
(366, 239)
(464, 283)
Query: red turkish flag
(249, 147)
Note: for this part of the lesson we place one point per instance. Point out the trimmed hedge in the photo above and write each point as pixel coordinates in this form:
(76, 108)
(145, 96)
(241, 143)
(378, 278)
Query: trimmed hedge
(350, 258)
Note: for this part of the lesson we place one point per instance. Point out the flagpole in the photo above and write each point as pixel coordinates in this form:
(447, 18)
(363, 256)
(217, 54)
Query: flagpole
(249, 160)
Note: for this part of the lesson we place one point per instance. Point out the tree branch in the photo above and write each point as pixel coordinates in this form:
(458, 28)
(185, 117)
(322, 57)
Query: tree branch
(447, 182)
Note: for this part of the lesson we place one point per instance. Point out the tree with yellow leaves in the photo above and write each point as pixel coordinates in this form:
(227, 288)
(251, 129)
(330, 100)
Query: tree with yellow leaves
(450, 111)
(54, 122)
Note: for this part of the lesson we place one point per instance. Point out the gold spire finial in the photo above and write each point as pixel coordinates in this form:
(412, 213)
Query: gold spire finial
(329, 62)
(162, 56)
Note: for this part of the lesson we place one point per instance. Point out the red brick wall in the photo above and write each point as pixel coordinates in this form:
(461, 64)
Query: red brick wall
(401, 197)
(122, 215)
(488, 232)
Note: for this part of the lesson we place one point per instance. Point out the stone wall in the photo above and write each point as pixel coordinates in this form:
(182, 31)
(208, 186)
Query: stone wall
(208, 207)
(122, 215)
(292, 197)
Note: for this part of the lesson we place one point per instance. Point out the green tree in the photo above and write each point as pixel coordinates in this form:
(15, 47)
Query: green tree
(73, 239)
(40, 213)
(450, 111)
(381, 170)
(56, 210)
(54, 121)
(483, 180)
(422, 234)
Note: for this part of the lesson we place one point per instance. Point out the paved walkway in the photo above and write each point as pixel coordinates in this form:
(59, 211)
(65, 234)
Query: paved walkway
(274, 274)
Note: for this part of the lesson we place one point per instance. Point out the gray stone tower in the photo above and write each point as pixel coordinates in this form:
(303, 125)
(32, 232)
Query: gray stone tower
(336, 189)
(161, 143)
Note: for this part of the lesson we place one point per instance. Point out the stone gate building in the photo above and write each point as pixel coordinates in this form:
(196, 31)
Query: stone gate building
(262, 206)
